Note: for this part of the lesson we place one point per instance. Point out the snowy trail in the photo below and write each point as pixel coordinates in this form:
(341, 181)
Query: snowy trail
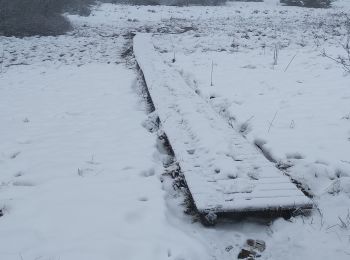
(223, 171)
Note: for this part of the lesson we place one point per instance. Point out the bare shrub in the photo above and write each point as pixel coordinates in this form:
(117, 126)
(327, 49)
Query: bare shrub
(343, 59)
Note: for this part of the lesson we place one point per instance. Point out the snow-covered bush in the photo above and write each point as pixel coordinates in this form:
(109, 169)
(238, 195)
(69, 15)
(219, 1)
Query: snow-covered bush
(344, 58)
(308, 3)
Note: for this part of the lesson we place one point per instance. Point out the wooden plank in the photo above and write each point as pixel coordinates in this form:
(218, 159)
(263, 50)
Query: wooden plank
(224, 172)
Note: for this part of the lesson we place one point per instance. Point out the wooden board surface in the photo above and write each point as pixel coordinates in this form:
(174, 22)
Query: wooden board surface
(223, 171)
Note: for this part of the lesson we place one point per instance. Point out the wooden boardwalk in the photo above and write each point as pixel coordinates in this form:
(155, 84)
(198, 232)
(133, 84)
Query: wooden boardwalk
(223, 171)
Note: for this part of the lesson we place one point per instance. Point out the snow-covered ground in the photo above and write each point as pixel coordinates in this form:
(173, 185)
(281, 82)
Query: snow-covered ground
(80, 175)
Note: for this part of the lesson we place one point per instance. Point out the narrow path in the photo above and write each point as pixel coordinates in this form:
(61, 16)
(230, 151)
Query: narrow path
(224, 173)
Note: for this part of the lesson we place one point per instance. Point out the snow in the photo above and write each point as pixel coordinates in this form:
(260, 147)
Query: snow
(80, 175)
(76, 189)
(293, 100)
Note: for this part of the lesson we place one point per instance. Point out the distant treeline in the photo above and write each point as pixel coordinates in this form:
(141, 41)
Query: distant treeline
(44, 17)
(308, 3)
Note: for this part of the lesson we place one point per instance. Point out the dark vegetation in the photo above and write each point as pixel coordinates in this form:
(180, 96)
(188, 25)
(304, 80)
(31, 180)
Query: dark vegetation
(308, 3)
(172, 2)
(44, 17)
(39, 17)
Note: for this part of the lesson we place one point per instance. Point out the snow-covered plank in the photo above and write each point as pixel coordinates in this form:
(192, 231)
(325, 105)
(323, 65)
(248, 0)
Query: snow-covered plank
(224, 172)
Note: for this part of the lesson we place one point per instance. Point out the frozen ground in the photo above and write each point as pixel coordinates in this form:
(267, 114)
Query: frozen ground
(80, 176)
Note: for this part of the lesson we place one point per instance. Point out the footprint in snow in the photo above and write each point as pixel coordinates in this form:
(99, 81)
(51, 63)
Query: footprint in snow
(295, 155)
(23, 183)
(148, 173)
(143, 199)
(24, 142)
(14, 155)
(132, 216)
(84, 172)
(18, 174)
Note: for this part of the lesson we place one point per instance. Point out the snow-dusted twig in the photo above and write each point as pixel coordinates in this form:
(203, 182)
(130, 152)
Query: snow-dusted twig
(275, 55)
(343, 60)
(321, 216)
(345, 223)
(292, 124)
(340, 59)
(290, 62)
(2, 60)
(174, 57)
(80, 172)
(271, 123)
(211, 73)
